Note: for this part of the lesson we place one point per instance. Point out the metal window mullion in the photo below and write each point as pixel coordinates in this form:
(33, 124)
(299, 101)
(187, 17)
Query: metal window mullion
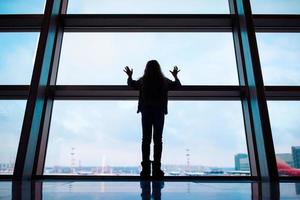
(37, 99)
(257, 124)
(252, 152)
(43, 142)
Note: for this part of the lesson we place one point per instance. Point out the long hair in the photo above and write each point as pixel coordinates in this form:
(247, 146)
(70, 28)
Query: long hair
(153, 81)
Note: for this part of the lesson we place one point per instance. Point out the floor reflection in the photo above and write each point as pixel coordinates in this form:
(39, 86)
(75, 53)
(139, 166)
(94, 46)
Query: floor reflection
(146, 190)
(5, 190)
(156, 189)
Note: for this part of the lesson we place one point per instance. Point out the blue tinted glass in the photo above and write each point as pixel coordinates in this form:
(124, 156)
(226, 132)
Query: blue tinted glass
(148, 6)
(275, 6)
(11, 119)
(17, 55)
(22, 6)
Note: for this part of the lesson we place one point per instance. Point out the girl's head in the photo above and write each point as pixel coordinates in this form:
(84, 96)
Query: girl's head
(153, 70)
(153, 81)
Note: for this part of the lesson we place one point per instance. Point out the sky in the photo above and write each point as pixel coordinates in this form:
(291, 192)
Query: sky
(101, 131)
(196, 52)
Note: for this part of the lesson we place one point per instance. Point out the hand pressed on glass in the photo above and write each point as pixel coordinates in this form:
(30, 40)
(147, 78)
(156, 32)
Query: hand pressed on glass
(128, 71)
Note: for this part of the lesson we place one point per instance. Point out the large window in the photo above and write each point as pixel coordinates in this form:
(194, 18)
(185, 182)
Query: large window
(148, 7)
(99, 58)
(11, 118)
(84, 119)
(104, 138)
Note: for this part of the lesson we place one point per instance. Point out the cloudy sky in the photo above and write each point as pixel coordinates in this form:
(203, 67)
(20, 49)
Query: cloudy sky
(109, 132)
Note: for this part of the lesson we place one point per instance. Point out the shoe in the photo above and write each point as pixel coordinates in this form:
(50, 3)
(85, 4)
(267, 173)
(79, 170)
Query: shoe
(157, 173)
(146, 169)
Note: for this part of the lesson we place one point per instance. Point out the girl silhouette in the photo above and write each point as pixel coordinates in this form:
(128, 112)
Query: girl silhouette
(153, 89)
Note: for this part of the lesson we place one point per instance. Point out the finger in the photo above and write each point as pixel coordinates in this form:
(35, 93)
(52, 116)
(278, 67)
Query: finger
(178, 70)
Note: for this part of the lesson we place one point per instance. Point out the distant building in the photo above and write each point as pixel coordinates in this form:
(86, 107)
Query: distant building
(296, 156)
(241, 162)
(286, 157)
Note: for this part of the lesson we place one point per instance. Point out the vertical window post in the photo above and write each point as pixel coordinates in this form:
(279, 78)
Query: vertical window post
(37, 106)
(258, 129)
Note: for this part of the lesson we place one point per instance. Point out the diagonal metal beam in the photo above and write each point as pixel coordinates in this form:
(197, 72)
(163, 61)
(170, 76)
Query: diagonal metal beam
(35, 108)
(257, 124)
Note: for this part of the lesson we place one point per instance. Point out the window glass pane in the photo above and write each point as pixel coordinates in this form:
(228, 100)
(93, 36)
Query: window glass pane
(104, 137)
(17, 55)
(280, 58)
(11, 119)
(284, 116)
(99, 58)
(148, 6)
(22, 6)
(275, 6)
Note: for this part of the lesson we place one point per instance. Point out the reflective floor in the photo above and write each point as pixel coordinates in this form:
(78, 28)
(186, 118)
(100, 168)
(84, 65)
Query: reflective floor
(145, 190)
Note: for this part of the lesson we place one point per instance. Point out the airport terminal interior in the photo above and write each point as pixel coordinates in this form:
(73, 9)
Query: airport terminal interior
(69, 127)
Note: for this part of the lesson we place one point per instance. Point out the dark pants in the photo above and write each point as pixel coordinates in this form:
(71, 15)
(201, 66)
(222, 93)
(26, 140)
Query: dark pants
(152, 118)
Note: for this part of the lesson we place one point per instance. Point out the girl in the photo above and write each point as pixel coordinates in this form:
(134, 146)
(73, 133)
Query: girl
(153, 89)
